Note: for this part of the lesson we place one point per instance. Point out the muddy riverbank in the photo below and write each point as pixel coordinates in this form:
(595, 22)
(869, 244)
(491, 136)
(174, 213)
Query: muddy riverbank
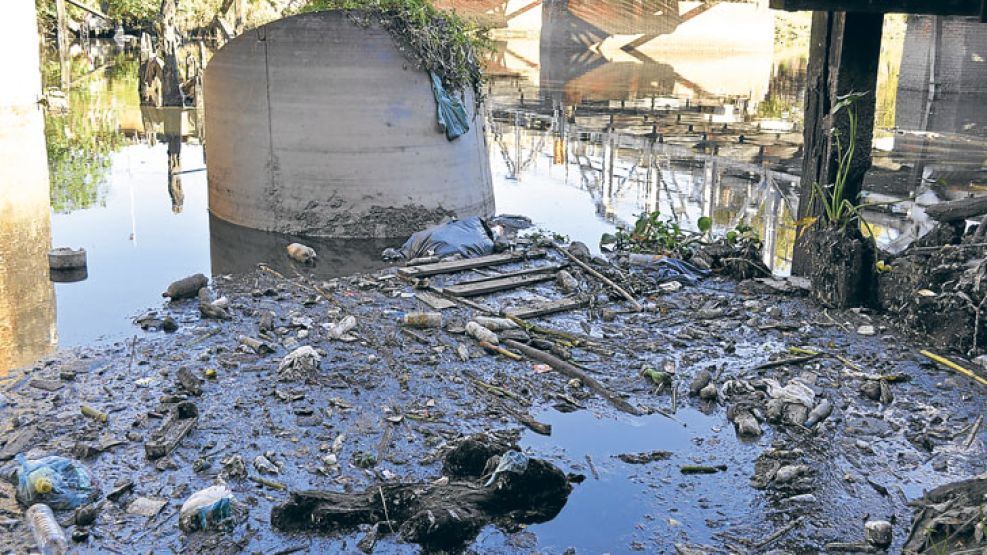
(752, 462)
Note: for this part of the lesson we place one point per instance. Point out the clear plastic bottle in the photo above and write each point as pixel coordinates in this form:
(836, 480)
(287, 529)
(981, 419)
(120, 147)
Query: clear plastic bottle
(46, 531)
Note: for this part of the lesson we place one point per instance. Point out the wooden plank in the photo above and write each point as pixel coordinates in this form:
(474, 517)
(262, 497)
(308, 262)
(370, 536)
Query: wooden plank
(546, 308)
(930, 7)
(434, 301)
(844, 50)
(960, 209)
(494, 285)
(551, 269)
(468, 264)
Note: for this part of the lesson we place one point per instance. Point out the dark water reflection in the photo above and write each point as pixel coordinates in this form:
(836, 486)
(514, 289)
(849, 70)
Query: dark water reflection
(235, 249)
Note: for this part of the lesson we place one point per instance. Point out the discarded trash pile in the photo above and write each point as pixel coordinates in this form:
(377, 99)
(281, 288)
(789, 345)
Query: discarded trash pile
(293, 414)
(951, 519)
(938, 286)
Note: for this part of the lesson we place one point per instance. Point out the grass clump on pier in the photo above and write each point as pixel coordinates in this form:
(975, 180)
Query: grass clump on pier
(438, 41)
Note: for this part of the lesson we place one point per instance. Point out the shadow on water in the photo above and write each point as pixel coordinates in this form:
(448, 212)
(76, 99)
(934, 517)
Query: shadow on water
(236, 249)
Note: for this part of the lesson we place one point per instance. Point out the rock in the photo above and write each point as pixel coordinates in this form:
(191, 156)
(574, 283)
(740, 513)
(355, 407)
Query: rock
(234, 467)
(866, 330)
(708, 393)
(700, 381)
(169, 324)
(790, 472)
(567, 283)
(300, 253)
(746, 424)
(871, 389)
(878, 533)
(86, 514)
(266, 323)
(265, 466)
(580, 251)
(210, 309)
(188, 381)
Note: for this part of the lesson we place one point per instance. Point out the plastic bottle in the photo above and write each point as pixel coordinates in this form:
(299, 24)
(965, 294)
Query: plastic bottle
(47, 533)
(495, 324)
(481, 333)
(422, 320)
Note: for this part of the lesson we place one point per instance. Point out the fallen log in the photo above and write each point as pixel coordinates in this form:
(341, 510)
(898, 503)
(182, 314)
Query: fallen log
(960, 209)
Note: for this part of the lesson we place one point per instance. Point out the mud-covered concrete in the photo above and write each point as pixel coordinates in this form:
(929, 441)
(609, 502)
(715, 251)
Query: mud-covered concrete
(386, 403)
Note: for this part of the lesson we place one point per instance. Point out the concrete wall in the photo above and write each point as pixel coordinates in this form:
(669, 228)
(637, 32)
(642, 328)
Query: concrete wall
(318, 126)
(960, 56)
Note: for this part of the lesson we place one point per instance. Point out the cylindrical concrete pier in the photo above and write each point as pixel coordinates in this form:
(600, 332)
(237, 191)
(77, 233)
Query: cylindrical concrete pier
(316, 125)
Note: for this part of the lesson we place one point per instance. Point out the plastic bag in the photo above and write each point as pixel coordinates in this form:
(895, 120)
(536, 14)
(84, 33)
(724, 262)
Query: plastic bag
(58, 482)
(206, 507)
(668, 269)
(511, 461)
(450, 112)
(468, 237)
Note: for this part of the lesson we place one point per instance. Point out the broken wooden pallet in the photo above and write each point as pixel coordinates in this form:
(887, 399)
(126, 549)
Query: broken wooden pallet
(550, 269)
(494, 285)
(468, 264)
(546, 308)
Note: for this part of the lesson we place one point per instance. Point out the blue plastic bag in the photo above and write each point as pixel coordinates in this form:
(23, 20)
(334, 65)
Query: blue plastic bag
(450, 111)
(58, 482)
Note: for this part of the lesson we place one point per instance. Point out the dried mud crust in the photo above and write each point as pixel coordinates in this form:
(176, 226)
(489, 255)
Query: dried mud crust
(384, 409)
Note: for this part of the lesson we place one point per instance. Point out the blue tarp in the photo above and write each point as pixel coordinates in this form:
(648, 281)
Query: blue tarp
(450, 111)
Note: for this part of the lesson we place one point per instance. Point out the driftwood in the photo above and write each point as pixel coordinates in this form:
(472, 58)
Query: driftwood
(567, 369)
(607, 281)
(960, 209)
(443, 515)
(165, 439)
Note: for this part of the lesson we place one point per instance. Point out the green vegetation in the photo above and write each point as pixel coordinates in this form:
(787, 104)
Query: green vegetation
(439, 42)
(653, 235)
(837, 210)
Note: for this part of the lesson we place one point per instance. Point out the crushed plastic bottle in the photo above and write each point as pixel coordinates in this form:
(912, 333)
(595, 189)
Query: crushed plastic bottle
(480, 333)
(58, 482)
(48, 535)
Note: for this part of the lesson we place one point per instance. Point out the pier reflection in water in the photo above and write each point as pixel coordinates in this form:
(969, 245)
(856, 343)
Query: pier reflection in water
(27, 300)
(27, 297)
(640, 102)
